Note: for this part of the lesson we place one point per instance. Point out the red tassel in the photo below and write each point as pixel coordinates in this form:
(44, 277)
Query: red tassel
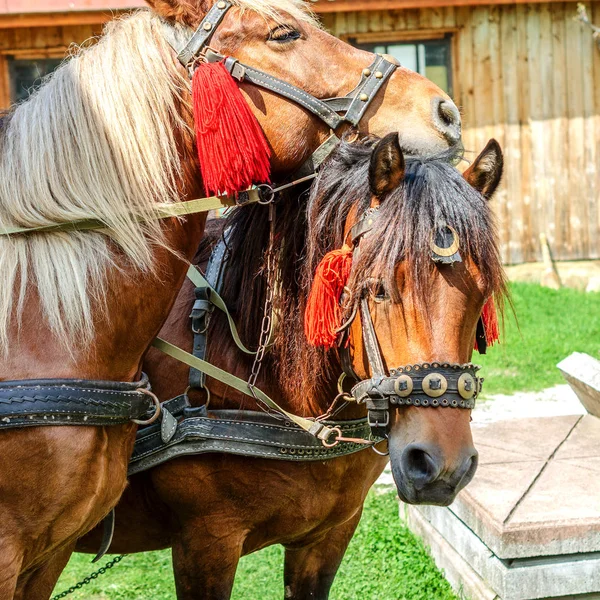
(232, 148)
(323, 314)
(490, 323)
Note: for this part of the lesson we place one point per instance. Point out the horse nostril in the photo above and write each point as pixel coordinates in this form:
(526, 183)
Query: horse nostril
(419, 465)
(448, 119)
(448, 113)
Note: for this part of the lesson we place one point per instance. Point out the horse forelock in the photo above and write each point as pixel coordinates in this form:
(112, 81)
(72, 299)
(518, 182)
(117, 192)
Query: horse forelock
(97, 140)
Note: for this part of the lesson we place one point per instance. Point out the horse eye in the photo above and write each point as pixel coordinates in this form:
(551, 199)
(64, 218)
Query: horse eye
(284, 34)
(379, 294)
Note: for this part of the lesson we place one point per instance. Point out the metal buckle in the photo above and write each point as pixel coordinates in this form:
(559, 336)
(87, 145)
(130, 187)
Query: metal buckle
(377, 423)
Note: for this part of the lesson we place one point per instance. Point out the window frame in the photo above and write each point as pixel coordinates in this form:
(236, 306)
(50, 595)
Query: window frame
(414, 36)
(6, 55)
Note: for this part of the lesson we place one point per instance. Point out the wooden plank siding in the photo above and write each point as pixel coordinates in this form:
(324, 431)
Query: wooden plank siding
(528, 75)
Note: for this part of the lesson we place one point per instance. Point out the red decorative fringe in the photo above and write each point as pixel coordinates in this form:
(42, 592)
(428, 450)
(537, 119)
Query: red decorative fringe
(490, 323)
(323, 314)
(232, 148)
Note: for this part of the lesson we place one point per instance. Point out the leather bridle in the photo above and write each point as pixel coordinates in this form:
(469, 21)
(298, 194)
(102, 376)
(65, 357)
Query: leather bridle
(192, 49)
(435, 384)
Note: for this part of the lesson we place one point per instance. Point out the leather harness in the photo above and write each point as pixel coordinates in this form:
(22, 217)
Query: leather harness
(33, 403)
(192, 49)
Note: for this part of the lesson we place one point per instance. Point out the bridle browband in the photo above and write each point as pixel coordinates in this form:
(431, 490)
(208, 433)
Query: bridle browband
(435, 384)
(193, 49)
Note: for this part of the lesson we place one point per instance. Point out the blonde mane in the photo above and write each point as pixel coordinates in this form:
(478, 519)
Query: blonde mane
(97, 140)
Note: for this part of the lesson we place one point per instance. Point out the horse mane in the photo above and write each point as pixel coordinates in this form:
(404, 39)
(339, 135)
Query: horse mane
(433, 193)
(97, 140)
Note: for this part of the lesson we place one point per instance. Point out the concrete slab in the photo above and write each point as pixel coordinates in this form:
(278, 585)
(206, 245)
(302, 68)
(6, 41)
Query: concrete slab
(528, 526)
(546, 503)
(582, 372)
(476, 573)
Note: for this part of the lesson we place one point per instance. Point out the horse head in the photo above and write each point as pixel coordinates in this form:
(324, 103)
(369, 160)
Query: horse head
(298, 60)
(424, 262)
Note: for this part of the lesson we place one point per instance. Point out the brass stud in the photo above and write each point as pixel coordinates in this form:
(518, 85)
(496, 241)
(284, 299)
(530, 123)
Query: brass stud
(364, 97)
(221, 5)
(207, 26)
(466, 386)
(403, 386)
(378, 75)
(435, 385)
(366, 72)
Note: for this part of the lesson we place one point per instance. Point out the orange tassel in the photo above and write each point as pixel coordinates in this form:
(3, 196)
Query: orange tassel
(323, 314)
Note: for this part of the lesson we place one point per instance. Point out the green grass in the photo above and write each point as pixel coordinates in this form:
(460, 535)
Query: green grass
(384, 562)
(552, 324)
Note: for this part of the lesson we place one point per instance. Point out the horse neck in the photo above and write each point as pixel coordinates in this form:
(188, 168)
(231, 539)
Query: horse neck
(285, 372)
(136, 306)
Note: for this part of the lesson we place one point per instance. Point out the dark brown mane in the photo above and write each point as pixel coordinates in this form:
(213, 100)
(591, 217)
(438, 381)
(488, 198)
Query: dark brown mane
(434, 193)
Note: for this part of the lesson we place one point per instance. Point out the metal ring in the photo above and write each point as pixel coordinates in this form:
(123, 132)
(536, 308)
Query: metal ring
(157, 407)
(269, 190)
(451, 250)
(335, 442)
(378, 452)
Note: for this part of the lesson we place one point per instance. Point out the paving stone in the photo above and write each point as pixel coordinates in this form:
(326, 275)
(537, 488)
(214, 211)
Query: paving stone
(528, 526)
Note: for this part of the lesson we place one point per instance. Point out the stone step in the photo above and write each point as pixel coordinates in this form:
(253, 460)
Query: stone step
(528, 525)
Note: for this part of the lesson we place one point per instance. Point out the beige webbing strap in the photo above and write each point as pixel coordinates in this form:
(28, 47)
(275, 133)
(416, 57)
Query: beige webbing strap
(313, 427)
(200, 281)
(164, 211)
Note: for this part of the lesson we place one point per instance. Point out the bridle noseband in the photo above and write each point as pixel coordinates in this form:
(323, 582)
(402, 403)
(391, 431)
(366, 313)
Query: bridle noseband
(193, 49)
(435, 384)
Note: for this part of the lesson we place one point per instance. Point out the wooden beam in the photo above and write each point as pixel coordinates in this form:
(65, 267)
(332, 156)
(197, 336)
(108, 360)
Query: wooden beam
(333, 6)
(4, 84)
(57, 19)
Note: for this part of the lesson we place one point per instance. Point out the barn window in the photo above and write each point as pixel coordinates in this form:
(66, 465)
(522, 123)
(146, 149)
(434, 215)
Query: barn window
(27, 74)
(431, 58)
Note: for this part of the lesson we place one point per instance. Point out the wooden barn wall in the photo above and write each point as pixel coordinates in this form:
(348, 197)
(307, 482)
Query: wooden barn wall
(528, 75)
(38, 42)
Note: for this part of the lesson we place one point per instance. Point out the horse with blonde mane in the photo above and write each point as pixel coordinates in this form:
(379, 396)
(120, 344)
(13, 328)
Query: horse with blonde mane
(213, 499)
(110, 138)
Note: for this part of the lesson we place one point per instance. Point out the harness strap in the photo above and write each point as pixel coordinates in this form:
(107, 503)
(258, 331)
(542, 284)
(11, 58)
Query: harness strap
(73, 402)
(163, 211)
(377, 403)
(318, 157)
(201, 37)
(315, 428)
(354, 105)
(241, 432)
(196, 277)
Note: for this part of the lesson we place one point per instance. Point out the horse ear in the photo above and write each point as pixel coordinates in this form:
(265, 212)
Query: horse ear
(387, 167)
(486, 172)
(188, 12)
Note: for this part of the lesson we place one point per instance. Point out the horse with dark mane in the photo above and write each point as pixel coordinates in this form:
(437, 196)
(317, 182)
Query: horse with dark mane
(214, 508)
(109, 138)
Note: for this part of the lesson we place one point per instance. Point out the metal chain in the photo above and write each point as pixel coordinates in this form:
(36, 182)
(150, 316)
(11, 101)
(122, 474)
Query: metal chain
(109, 565)
(267, 319)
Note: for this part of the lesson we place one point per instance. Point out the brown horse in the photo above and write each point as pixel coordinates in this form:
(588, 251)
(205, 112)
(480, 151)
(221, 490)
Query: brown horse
(109, 137)
(214, 508)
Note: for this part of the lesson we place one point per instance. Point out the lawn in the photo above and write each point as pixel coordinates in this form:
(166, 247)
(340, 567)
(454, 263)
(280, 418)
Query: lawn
(551, 325)
(384, 562)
